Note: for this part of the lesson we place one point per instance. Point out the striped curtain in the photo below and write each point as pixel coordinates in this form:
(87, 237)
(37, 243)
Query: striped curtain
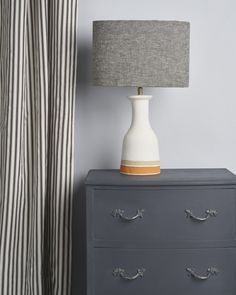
(37, 91)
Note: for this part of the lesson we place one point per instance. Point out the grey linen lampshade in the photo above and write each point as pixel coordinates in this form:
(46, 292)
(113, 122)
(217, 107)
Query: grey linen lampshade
(141, 53)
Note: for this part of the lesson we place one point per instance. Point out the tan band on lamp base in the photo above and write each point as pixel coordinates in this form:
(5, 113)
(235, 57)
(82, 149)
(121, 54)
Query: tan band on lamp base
(140, 168)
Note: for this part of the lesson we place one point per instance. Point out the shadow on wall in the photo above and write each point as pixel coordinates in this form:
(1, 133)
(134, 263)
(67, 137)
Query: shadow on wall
(84, 74)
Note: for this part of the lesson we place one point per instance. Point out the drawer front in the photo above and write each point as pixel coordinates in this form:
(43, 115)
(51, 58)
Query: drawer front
(163, 215)
(166, 272)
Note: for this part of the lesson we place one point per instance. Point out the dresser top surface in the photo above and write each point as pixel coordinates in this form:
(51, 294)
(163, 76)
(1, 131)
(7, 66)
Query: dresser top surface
(167, 177)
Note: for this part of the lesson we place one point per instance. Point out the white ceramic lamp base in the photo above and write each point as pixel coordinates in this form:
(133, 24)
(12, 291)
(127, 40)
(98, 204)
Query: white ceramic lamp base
(140, 152)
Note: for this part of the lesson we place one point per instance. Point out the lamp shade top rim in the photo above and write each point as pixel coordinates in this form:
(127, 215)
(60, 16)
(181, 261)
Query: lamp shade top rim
(141, 21)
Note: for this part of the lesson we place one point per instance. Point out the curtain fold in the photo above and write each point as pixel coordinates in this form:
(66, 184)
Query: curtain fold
(37, 91)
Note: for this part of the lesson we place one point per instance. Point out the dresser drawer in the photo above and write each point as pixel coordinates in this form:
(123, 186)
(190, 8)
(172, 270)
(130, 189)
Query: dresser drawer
(163, 214)
(166, 272)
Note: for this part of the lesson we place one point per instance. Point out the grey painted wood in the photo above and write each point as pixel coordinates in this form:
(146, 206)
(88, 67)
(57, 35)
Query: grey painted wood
(157, 244)
(164, 217)
(165, 272)
(167, 177)
(164, 241)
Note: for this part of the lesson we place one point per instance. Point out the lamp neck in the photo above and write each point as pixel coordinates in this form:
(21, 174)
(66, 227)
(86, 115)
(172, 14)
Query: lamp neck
(140, 111)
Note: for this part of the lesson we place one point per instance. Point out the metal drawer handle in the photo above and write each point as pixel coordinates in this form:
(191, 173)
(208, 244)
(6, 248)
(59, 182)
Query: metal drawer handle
(120, 272)
(211, 271)
(209, 213)
(120, 214)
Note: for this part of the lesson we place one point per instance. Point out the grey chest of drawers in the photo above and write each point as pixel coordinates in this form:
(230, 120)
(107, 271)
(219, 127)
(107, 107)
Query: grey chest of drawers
(169, 234)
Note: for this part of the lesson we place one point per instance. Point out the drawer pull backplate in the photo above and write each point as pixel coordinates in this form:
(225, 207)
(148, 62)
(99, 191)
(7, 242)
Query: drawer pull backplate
(211, 271)
(209, 213)
(119, 213)
(120, 272)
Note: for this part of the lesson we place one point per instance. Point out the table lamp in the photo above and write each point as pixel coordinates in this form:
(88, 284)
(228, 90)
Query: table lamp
(141, 54)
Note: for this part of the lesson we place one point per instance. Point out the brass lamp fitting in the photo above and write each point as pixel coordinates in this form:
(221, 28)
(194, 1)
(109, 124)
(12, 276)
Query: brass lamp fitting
(140, 90)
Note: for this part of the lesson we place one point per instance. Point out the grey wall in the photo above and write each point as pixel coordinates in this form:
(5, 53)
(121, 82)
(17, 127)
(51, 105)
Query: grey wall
(196, 126)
